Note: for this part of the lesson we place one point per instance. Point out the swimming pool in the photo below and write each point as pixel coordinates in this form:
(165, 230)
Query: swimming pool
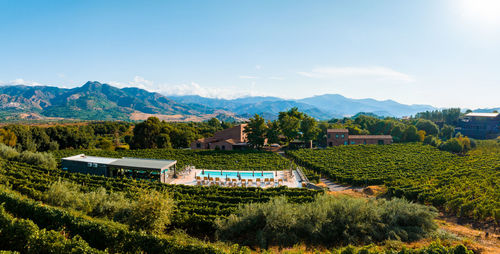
(234, 174)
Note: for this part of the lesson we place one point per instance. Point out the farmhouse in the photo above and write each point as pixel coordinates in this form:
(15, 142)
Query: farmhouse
(338, 137)
(480, 125)
(131, 167)
(229, 139)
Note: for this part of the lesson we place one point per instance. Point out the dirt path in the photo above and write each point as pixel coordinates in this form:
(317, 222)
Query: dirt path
(480, 241)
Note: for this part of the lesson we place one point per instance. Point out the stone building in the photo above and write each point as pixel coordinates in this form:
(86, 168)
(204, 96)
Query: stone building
(338, 137)
(229, 139)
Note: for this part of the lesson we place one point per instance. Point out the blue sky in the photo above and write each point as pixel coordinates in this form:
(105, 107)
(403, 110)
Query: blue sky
(443, 53)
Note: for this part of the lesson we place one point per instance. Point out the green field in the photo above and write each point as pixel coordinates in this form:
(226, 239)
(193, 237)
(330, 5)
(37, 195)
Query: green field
(467, 186)
(220, 160)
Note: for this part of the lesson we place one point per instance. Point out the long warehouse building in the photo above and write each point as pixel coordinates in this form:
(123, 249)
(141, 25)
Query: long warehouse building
(150, 169)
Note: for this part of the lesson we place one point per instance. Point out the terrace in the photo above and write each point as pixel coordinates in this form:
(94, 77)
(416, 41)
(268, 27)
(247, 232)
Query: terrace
(233, 178)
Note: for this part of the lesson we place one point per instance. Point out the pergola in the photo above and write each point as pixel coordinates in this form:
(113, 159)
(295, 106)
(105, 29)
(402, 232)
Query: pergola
(142, 168)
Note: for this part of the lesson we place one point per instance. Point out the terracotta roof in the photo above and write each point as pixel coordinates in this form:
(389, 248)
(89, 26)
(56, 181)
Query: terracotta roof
(370, 137)
(337, 130)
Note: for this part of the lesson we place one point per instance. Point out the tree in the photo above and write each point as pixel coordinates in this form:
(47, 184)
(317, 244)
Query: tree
(421, 135)
(256, 131)
(447, 132)
(151, 212)
(309, 128)
(410, 134)
(397, 134)
(215, 123)
(290, 123)
(428, 126)
(105, 144)
(8, 137)
(163, 141)
(273, 132)
(145, 133)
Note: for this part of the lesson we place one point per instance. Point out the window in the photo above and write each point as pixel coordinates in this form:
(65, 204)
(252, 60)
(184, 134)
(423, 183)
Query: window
(352, 142)
(345, 143)
(330, 144)
(198, 145)
(364, 142)
(95, 165)
(381, 142)
(328, 135)
(223, 148)
(89, 164)
(343, 136)
(337, 136)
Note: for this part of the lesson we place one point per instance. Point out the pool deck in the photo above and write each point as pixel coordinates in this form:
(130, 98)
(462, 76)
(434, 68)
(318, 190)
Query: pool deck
(188, 178)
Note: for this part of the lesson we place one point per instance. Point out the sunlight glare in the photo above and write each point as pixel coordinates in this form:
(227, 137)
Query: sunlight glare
(482, 12)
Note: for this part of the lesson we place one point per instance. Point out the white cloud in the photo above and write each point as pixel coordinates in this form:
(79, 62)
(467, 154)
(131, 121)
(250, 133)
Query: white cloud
(192, 88)
(377, 72)
(248, 77)
(258, 67)
(277, 78)
(20, 81)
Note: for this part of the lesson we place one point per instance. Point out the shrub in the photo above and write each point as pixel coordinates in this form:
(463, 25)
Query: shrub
(44, 160)
(8, 152)
(327, 221)
(96, 203)
(151, 212)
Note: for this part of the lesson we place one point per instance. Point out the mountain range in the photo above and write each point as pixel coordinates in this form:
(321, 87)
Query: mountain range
(97, 101)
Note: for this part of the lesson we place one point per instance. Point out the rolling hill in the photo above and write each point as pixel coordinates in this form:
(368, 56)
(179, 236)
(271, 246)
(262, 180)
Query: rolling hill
(97, 101)
(92, 101)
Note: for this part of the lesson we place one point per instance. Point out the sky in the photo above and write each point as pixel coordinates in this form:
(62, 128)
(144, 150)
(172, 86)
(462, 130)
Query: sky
(445, 53)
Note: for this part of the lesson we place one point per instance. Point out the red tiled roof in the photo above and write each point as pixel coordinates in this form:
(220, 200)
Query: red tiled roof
(370, 137)
(337, 130)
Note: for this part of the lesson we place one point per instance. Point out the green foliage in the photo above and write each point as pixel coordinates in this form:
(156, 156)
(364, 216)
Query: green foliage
(458, 144)
(448, 116)
(25, 236)
(8, 137)
(447, 132)
(151, 212)
(411, 134)
(8, 153)
(273, 132)
(468, 186)
(428, 126)
(289, 123)
(256, 131)
(308, 128)
(197, 206)
(99, 234)
(327, 221)
(96, 203)
(45, 160)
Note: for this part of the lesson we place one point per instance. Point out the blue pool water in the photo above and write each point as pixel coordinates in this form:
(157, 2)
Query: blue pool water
(234, 175)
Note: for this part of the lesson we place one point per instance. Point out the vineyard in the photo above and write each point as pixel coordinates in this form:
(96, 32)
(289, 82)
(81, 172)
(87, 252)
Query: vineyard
(197, 207)
(467, 186)
(32, 224)
(220, 160)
